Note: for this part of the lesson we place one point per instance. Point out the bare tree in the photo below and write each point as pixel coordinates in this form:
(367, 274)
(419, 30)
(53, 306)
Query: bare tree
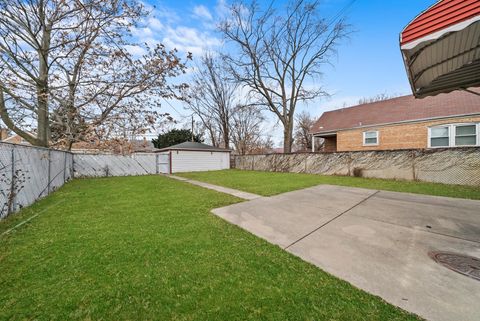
(213, 97)
(122, 100)
(264, 145)
(26, 29)
(210, 127)
(280, 54)
(247, 130)
(303, 138)
(64, 71)
(376, 98)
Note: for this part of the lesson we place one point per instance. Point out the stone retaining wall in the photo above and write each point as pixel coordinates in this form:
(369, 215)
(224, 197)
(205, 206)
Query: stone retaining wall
(448, 166)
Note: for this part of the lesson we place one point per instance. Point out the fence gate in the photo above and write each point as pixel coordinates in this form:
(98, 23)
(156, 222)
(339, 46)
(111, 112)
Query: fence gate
(163, 163)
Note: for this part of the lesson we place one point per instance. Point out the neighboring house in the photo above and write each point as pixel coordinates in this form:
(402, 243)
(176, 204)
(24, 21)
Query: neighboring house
(275, 150)
(442, 121)
(13, 139)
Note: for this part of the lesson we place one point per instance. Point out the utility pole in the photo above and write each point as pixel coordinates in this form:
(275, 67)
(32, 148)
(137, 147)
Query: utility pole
(192, 129)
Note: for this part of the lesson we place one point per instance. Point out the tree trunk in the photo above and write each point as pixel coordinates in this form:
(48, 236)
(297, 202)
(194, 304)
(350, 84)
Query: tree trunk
(226, 137)
(43, 126)
(42, 114)
(287, 136)
(11, 125)
(309, 140)
(70, 145)
(212, 137)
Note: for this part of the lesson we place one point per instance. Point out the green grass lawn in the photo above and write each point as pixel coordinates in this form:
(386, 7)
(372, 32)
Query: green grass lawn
(147, 248)
(272, 183)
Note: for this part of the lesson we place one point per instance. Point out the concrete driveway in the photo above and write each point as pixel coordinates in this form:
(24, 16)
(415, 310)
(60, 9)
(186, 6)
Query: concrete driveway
(378, 241)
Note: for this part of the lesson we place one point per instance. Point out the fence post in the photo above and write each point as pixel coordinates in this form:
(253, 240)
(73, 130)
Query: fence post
(49, 170)
(12, 184)
(64, 167)
(156, 164)
(414, 169)
(73, 165)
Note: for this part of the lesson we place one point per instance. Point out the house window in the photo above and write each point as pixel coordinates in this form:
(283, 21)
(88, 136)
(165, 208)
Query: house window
(440, 136)
(454, 135)
(466, 135)
(370, 138)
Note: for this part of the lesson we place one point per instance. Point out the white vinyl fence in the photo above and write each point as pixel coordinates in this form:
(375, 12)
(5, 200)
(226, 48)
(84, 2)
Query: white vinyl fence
(29, 173)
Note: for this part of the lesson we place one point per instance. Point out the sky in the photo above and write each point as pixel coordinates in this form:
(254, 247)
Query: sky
(367, 64)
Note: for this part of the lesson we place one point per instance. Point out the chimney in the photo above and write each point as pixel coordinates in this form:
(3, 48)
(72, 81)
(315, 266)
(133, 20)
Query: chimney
(3, 133)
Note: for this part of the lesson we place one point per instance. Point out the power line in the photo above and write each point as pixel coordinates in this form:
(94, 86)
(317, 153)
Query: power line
(341, 12)
(179, 114)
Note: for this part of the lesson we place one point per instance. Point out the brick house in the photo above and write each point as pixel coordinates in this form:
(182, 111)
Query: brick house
(442, 121)
(12, 139)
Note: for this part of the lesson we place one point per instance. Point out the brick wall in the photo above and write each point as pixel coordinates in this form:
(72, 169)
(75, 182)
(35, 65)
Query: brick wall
(15, 140)
(330, 144)
(391, 137)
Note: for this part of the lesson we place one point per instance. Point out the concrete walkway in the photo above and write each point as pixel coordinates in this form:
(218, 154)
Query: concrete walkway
(231, 191)
(378, 241)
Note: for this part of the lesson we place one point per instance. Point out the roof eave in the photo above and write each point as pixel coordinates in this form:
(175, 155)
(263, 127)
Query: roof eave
(326, 133)
(448, 64)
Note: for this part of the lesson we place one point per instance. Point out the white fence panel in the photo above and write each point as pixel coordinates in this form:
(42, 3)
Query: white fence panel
(58, 169)
(31, 164)
(101, 165)
(28, 173)
(147, 162)
(6, 173)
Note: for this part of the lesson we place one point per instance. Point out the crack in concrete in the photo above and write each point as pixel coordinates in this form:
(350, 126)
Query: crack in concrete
(331, 220)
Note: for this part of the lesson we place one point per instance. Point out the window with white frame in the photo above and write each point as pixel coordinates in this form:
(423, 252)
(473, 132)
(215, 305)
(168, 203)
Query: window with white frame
(370, 138)
(466, 135)
(454, 135)
(440, 136)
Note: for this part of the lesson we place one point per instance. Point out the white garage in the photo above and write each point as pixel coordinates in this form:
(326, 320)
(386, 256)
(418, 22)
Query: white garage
(194, 157)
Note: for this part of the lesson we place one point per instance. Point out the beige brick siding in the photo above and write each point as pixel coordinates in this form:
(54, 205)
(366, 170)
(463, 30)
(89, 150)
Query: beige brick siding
(399, 136)
(330, 144)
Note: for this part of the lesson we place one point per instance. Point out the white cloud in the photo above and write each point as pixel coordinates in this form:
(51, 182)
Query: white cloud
(136, 51)
(202, 12)
(190, 39)
(164, 26)
(221, 9)
(155, 24)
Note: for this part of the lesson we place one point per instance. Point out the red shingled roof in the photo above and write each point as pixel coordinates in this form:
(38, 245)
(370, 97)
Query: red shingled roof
(439, 16)
(401, 109)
